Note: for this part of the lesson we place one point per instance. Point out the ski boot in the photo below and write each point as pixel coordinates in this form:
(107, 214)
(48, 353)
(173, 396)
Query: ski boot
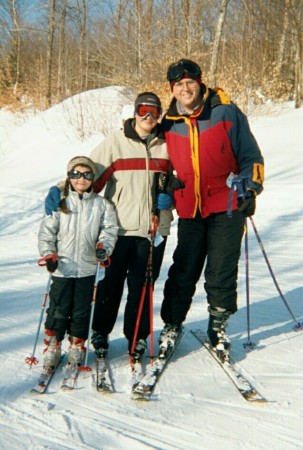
(139, 350)
(216, 332)
(168, 337)
(76, 351)
(52, 351)
(100, 344)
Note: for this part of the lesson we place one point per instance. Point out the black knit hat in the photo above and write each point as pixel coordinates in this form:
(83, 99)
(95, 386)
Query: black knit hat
(148, 98)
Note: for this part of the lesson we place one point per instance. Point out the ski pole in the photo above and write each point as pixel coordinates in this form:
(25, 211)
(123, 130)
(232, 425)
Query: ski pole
(32, 359)
(85, 367)
(148, 281)
(248, 344)
(151, 288)
(298, 325)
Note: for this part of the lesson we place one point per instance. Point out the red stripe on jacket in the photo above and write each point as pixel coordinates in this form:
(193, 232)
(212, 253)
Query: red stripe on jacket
(155, 164)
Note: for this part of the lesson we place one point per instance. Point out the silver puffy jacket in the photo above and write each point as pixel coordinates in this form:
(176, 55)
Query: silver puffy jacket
(74, 236)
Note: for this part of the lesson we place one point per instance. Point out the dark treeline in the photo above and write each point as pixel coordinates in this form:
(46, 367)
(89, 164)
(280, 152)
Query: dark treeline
(52, 49)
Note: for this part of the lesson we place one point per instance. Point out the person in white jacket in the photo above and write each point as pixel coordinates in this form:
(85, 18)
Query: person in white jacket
(133, 166)
(71, 241)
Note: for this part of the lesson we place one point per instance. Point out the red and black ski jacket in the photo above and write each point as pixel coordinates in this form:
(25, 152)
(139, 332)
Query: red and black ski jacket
(205, 148)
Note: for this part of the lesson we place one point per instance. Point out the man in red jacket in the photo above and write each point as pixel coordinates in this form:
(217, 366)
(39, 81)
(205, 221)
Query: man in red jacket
(219, 170)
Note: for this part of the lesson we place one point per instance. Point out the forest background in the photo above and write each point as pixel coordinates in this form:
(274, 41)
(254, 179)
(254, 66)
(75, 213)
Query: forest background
(53, 49)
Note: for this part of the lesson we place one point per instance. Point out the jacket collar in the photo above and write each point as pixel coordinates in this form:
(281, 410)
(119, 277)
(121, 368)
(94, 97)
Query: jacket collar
(130, 132)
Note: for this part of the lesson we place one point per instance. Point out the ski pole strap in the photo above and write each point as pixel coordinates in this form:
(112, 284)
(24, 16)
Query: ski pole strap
(236, 183)
(101, 255)
(42, 261)
(106, 262)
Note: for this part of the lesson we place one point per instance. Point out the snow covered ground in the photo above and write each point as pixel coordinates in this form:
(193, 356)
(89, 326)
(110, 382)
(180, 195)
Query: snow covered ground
(195, 406)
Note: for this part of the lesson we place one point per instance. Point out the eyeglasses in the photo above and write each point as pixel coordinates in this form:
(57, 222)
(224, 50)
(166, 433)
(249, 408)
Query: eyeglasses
(176, 71)
(185, 84)
(144, 110)
(75, 175)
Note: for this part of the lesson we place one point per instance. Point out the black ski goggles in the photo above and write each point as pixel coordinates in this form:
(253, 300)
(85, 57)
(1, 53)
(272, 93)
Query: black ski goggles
(177, 71)
(75, 175)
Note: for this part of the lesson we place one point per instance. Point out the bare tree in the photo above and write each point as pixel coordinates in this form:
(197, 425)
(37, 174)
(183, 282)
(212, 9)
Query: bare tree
(186, 12)
(281, 52)
(61, 52)
(16, 43)
(49, 54)
(81, 20)
(297, 20)
(216, 44)
(138, 33)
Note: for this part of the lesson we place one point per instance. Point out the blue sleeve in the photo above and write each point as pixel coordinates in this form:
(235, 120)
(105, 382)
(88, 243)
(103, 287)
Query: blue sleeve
(246, 150)
(52, 200)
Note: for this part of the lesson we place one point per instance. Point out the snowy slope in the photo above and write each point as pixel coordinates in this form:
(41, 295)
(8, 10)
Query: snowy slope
(195, 406)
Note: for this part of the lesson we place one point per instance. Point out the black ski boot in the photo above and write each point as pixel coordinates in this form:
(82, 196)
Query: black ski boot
(139, 350)
(100, 344)
(169, 336)
(216, 332)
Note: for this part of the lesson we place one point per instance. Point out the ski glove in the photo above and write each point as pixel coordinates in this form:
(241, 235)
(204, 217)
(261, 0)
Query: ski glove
(101, 255)
(52, 200)
(247, 206)
(174, 184)
(164, 201)
(51, 262)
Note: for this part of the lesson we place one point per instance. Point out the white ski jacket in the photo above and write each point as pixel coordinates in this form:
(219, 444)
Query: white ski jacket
(127, 165)
(74, 236)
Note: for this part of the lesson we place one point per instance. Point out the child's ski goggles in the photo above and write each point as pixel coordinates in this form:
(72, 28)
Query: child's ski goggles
(145, 110)
(75, 175)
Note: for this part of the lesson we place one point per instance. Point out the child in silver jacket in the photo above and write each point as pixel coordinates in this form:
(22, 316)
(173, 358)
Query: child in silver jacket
(71, 241)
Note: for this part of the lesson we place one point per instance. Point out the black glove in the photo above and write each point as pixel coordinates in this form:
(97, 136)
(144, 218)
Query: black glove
(174, 184)
(247, 206)
(51, 262)
(101, 253)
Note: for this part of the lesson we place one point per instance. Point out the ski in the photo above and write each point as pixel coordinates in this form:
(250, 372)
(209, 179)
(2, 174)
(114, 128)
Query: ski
(71, 372)
(242, 381)
(103, 378)
(45, 379)
(146, 386)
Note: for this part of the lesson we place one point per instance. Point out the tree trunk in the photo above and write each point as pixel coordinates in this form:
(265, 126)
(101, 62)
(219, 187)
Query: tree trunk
(61, 53)
(49, 55)
(216, 46)
(138, 15)
(15, 45)
(283, 39)
(82, 30)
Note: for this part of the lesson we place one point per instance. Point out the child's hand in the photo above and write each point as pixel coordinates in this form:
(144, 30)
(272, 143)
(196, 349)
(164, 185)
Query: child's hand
(51, 262)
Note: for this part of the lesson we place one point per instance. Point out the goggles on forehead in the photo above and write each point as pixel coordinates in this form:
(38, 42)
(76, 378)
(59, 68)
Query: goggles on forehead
(178, 70)
(144, 110)
(75, 175)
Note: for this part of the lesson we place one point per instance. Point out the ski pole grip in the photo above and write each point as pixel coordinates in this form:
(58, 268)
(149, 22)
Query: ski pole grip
(42, 261)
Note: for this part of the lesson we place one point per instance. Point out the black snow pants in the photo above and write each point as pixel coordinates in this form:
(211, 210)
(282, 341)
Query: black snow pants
(128, 262)
(216, 240)
(70, 306)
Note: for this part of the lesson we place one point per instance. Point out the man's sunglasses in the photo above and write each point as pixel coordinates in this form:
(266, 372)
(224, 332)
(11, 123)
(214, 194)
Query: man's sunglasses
(75, 175)
(176, 71)
(145, 110)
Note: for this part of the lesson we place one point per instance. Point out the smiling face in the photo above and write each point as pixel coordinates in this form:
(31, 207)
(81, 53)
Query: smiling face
(81, 185)
(187, 92)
